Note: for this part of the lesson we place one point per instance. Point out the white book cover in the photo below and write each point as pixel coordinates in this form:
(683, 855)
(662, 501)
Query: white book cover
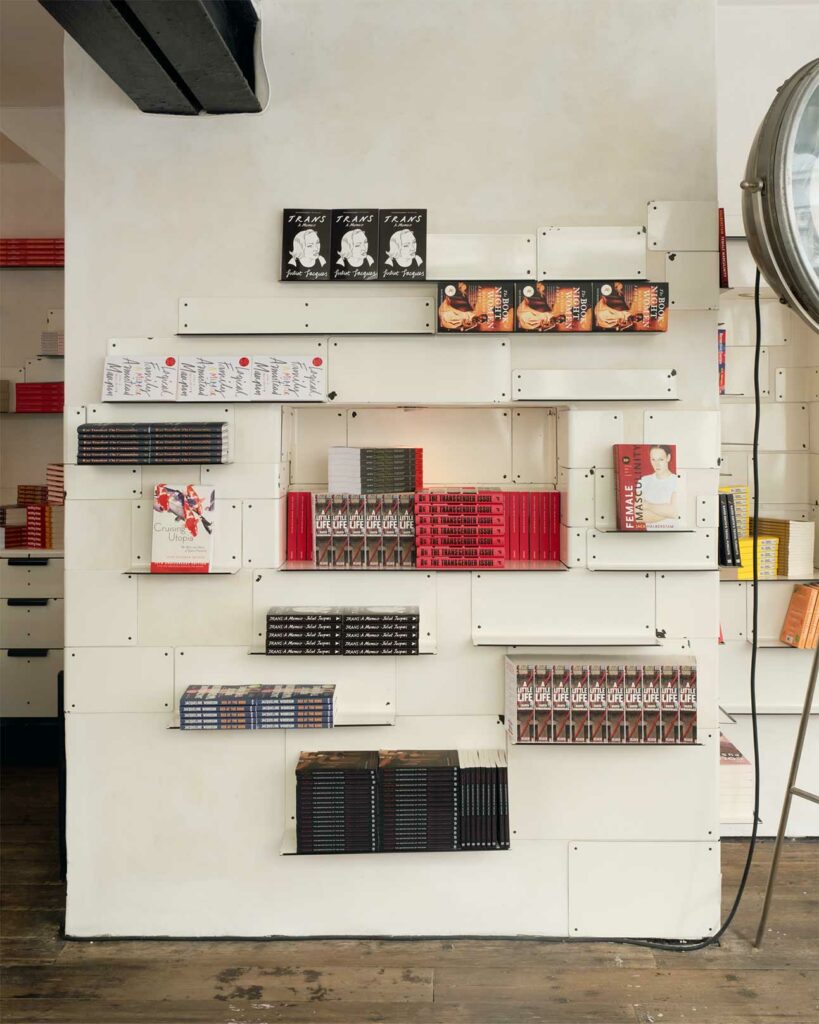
(183, 523)
(214, 379)
(127, 379)
(289, 379)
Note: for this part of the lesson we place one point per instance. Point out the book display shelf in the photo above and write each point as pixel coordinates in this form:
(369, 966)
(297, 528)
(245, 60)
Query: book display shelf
(612, 841)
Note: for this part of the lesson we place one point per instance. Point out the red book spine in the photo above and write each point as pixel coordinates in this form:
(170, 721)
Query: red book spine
(514, 523)
(723, 251)
(291, 526)
(419, 469)
(535, 549)
(307, 505)
(524, 526)
(554, 497)
(459, 563)
(545, 538)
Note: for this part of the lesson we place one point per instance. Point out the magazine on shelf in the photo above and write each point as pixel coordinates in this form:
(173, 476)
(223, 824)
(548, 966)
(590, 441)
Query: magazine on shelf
(306, 250)
(182, 533)
(354, 236)
(650, 491)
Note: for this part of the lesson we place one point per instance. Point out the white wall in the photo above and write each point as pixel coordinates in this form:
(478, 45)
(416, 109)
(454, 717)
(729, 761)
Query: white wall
(498, 118)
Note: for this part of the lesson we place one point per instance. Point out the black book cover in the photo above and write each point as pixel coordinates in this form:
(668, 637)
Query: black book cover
(305, 245)
(732, 532)
(402, 245)
(354, 235)
(725, 555)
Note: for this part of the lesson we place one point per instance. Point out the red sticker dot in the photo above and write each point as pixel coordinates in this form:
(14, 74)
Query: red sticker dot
(317, 361)
(244, 361)
(170, 361)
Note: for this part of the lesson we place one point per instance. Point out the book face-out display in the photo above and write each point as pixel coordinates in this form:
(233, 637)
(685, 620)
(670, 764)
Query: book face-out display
(481, 306)
(561, 306)
(305, 245)
(354, 245)
(650, 490)
(630, 306)
(182, 532)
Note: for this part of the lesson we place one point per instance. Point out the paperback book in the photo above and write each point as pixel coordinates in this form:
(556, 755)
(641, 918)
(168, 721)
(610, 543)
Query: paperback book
(306, 245)
(483, 306)
(214, 379)
(650, 490)
(630, 306)
(402, 245)
(132, 379)
(182, 534)
(354, 245)
(562, 306)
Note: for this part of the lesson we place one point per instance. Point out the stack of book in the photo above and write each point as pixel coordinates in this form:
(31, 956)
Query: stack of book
(55, 483)
(39, 396)
(767, 557)
(742, 506)
(32, 252)
(794, 555)
(5, 395)
(257, 706)
(13, 524)
(337, 802)
(736, 783)
(483, 800)
(52, 343)
(532, 525)
(548, 703)
(460, 530)
(356, 531)
(32, 494)
(375, 470)
(299, 526)
(728, 548)
(419, 799)
(801, 625)
(344, 631)
(153, 443)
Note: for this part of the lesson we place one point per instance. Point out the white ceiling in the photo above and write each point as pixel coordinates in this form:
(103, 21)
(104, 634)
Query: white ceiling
(31, 56)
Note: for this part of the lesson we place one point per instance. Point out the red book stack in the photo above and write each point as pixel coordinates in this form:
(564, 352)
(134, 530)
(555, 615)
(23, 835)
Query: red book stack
(32, 252)
(40, 396)
(32, 494)
(460, 530)
(38, 526)
(299, 526)
(532, 526)
(55, 479)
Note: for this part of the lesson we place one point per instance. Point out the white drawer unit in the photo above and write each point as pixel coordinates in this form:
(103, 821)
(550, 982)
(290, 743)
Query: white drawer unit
(31, 622)
(31, 576)
(28, 682)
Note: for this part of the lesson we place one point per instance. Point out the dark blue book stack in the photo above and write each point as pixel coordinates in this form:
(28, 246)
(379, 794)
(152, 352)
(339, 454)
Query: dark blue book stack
(257, 706)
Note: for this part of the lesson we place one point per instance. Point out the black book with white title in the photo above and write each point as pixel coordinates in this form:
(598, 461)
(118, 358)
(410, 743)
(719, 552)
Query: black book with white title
(402, 245)
(354, 237)
(306, 249)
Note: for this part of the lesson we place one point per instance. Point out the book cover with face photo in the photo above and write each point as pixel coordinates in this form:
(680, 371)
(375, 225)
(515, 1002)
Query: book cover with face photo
(553, 306)
(650, 489)
(354, 235)
(306, 252)
(630, 306)
(487, 306)
(402, 245)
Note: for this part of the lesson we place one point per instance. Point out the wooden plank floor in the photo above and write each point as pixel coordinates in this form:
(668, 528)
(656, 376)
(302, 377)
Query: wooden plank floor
(46, 979)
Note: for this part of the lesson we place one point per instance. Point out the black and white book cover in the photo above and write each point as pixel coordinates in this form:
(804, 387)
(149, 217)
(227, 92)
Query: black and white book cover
(402, 245)
(306, 245)
(354, 236)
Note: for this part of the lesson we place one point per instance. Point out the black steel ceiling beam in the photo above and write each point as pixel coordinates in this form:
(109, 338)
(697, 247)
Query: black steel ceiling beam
(170, 56)
(107, 34)
(209, 44)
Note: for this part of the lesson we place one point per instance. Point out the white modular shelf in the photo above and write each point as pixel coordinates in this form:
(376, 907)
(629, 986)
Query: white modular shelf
(311, 314)
(652, 550)
(595, 385)
(682, 226)
(591, 253)
(481, 257)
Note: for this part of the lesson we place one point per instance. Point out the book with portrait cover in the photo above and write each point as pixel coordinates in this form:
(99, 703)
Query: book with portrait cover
(650, 491)
(553, 306)
(630, 306)
(306, 252)
(402, 245)
(354, 252)
(182, 534)
(485, 306)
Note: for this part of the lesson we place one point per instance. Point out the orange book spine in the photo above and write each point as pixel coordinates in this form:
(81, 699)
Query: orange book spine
(797, 618)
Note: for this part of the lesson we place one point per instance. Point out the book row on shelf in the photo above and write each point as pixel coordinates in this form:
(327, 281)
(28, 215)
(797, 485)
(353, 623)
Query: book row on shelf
(258, 706)
(36, 520)
(605, 704)
(39, 396)
(32, 252)
(342, 630)
(392, 801)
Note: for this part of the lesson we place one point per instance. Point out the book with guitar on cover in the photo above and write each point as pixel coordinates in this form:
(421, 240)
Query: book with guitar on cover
(650, 490)
(182, 534)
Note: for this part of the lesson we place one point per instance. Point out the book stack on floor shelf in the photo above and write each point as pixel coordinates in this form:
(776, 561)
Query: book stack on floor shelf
(257, 706)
